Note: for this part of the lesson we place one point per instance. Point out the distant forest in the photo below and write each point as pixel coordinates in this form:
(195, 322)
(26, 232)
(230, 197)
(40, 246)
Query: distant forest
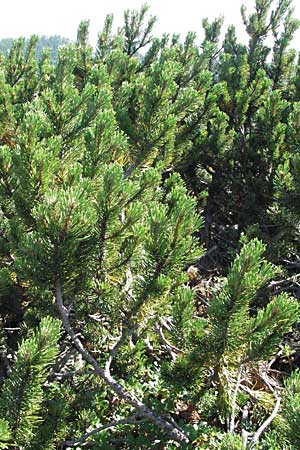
(44, 42)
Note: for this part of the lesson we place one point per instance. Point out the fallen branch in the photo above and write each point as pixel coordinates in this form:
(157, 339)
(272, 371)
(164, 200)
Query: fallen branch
(274, 284)
(292, 263)
(144, 411)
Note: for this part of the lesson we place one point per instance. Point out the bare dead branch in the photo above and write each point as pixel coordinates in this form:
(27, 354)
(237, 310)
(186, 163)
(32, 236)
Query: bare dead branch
(233, 405)
(74, 373)
(126, 333)
(130, 420)
(265, 424)
(174, 351)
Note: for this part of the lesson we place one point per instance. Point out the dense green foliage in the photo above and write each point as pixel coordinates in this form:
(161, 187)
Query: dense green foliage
(149, 239)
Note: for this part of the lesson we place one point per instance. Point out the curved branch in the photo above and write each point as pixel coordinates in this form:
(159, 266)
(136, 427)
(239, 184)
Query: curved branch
(266, 423)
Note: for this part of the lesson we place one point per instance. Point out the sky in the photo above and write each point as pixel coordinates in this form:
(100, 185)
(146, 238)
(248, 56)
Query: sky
(62, 17)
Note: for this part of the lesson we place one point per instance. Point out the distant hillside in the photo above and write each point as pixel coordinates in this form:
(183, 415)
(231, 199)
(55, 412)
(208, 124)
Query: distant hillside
(50, 42)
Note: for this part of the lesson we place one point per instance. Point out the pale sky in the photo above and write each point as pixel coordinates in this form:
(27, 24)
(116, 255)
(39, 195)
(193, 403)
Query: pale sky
(26, 17)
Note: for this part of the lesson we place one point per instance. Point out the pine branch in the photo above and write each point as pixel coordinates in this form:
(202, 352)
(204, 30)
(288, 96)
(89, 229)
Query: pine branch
(22, 394)
(144, 411)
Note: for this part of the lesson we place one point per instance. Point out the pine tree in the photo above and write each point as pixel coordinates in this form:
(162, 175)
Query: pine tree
(108, 160)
